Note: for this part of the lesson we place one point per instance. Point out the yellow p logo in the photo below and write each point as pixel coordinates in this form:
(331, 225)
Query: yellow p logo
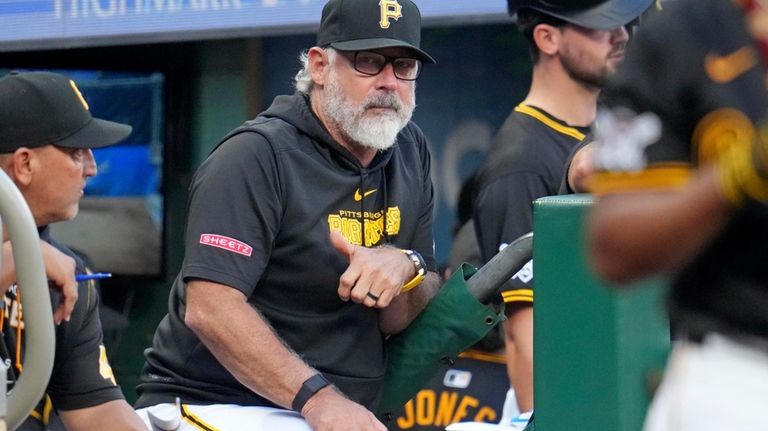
(389, 9)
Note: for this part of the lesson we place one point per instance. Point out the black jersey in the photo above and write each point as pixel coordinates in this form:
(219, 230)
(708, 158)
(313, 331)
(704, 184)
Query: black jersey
(81, 376)
(260, 212)
(701, 74)
(525, 162)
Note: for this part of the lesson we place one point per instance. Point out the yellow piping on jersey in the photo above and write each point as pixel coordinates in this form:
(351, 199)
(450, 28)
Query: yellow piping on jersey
(47, 409)
(20, 319)
(667, 176)
(483, 356)
(518, 295)
(45, 415)
(552, 124)
(195, 421)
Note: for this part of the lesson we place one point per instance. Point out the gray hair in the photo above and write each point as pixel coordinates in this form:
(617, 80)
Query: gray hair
(5, 163)
(303, 80)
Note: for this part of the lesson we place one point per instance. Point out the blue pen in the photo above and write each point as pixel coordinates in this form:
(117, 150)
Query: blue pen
(94, 276)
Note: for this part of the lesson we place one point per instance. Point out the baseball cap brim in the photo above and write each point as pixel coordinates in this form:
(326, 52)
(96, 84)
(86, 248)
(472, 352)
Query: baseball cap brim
(366, 44)
(606, 16)
(96, 133)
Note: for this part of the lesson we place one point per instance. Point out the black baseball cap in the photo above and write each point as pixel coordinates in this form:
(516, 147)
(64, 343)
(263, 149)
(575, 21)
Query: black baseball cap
(358, 25)
(41, 108)
(597, 15)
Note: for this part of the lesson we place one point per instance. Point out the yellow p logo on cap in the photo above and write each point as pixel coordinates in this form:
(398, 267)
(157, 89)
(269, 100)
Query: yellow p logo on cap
(390, 9)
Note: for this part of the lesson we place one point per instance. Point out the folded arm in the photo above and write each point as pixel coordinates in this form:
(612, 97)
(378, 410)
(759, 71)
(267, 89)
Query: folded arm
(251, 350)
(375, 278)
(59, 269)
(406, 306)
(637, 234)
(115, 415)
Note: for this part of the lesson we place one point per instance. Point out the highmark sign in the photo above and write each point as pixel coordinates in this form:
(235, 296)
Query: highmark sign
(33, 24)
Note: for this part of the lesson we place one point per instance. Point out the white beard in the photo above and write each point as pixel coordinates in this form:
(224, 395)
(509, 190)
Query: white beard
(356, 124)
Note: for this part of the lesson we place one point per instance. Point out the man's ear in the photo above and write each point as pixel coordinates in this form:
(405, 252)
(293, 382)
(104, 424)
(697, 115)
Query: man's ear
(21, 165)
(317, 59)
(547, 38)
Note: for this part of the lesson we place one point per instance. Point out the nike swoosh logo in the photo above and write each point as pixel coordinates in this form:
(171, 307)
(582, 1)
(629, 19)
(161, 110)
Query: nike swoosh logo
(359, 197)
(723, 69)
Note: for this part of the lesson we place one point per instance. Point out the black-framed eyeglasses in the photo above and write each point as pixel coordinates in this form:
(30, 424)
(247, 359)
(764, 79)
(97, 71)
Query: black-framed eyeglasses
(372, 63)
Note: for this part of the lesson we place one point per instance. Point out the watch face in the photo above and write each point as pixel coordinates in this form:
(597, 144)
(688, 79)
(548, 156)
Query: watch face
(421, 270)
(420, 264)
(417, 260)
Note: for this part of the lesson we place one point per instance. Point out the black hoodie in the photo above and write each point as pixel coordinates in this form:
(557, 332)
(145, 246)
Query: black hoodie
(260, 212)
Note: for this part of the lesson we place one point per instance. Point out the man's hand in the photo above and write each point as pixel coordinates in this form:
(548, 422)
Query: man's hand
(375, 276)
(328, 410)
(60, 270)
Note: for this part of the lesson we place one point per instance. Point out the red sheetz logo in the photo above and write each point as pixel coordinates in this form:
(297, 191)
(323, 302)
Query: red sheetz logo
(226, 243)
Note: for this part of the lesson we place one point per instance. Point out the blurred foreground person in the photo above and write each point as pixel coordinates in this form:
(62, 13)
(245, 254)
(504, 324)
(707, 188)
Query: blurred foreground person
(683, 160)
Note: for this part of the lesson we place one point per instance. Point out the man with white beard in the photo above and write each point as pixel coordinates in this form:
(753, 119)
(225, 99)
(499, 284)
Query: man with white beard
(309, 240)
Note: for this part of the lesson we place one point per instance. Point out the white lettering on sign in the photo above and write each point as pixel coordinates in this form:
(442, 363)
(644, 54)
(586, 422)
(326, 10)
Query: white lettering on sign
(111, 8)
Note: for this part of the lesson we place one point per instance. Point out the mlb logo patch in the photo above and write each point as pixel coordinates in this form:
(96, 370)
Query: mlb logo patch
(459, 379)
(226, 243)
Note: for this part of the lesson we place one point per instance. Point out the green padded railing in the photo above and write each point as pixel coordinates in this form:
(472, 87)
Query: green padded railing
(598, 351)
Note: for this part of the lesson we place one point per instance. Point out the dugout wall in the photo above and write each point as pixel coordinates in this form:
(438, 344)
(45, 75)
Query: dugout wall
(599, 352)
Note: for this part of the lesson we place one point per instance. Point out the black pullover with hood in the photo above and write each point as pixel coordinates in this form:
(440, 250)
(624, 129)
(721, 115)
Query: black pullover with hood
(260, 211)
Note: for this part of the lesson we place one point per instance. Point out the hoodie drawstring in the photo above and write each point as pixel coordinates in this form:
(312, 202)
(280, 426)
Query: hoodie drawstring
(383, 188)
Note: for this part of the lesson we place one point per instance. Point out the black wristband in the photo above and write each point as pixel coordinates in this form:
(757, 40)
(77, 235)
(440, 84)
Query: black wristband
(310, 387)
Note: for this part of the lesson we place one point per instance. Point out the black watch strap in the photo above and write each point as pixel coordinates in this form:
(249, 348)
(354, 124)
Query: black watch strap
(310, 387)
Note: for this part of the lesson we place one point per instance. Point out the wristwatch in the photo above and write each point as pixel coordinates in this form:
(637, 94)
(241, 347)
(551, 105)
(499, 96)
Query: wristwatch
(310, 387)
(421, 269)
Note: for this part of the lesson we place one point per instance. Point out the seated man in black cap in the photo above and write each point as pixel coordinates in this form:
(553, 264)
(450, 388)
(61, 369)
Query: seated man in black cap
(309, 239)
(574, 47)
(46, 136)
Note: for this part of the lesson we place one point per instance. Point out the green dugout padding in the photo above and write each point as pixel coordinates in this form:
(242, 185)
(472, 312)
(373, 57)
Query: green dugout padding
(598, 351)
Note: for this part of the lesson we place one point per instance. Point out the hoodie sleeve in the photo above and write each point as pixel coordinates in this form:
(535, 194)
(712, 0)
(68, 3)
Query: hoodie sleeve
(234, 213)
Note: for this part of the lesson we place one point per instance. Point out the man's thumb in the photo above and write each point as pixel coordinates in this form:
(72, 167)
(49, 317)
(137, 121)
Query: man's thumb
(341, 244)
